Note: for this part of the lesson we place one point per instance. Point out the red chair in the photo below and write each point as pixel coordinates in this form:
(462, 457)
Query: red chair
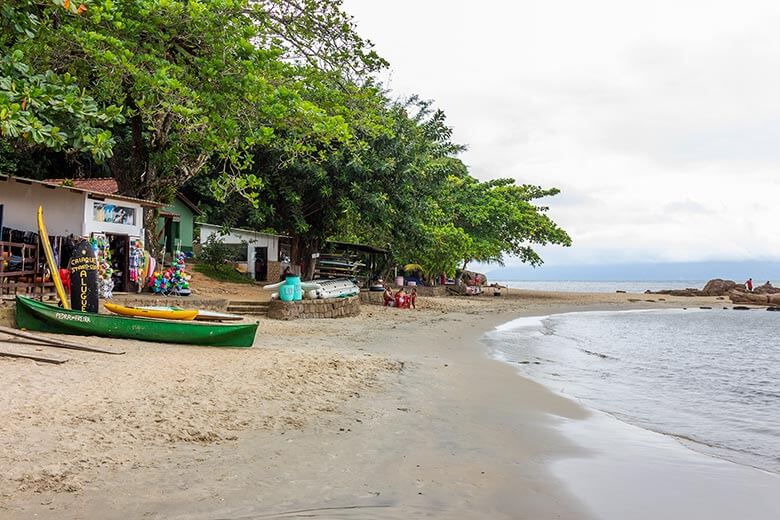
(65, 277)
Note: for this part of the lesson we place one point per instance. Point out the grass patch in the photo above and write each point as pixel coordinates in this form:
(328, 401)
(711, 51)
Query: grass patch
(223, 273)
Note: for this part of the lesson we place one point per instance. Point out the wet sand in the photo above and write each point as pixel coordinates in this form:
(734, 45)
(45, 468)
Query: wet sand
(394, 414)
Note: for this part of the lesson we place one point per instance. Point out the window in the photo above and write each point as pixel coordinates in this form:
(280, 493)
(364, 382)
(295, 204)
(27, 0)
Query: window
(113, 214)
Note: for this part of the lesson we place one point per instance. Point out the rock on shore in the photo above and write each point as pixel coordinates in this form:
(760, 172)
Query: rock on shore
(720, 287)
(715, 287)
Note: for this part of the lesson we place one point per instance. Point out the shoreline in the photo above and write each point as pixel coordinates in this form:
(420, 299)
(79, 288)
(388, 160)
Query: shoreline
(659, 474)
(697, 446)
(452, 433)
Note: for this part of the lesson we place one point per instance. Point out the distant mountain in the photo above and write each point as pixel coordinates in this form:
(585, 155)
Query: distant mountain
(737, 271)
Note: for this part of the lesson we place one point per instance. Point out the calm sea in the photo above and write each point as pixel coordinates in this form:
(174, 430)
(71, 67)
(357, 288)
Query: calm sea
(610, 287)
(708, 377)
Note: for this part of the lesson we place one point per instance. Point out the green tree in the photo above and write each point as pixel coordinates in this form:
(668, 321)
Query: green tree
(319, 35)
(195, 87)
(447, 218)
(501, 219)
(391, 179)
(214, 252)
(39, 107)
(449, 245)
(375, 187)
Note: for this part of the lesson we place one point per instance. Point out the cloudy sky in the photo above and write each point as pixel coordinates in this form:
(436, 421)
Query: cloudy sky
(659, 121)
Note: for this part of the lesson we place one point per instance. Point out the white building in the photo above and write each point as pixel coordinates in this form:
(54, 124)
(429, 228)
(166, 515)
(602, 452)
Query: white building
(261, 261)
(74, 211)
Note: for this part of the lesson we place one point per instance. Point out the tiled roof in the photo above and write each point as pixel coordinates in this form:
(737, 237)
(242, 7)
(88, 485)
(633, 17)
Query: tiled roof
(105, 185)
(57, 183)
(109, 186)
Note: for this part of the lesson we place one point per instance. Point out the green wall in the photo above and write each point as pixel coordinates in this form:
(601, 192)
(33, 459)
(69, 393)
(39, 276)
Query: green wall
(181, 230)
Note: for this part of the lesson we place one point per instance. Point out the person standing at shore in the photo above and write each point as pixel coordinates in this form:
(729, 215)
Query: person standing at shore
(749, 284)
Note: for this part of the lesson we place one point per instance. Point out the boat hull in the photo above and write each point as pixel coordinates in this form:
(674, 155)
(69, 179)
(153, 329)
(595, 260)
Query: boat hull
(165, 313)
(34, 315)
(202, 315)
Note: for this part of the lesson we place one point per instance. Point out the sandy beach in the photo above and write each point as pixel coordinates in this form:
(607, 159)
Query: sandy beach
(393, 414)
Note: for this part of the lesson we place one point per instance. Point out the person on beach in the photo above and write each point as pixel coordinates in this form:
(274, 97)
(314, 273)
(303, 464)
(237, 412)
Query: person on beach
(388, 297)
(749, 284)
(413, 298)
(402, 299)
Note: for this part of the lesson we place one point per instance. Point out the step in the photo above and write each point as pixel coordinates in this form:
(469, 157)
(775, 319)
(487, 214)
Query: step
(252, 313)
(247, 306)
(243, 310)
(248, 302)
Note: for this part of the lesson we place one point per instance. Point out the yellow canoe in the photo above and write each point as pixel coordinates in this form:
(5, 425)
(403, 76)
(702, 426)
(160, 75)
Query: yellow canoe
(166, 314)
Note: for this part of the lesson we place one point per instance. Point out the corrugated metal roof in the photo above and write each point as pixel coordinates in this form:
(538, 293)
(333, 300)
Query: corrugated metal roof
(250, 231)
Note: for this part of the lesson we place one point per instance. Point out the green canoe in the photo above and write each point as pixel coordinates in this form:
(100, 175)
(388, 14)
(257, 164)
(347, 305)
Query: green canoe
(34, 315)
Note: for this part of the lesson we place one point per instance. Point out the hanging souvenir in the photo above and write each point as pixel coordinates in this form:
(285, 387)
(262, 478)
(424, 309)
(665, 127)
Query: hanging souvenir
(136, 266)
(102, 250)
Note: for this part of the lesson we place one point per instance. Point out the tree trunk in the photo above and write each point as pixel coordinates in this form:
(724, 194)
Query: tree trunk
(310, 247)
(459, 279)
(130, 161)
(151, 222)
(300, 253)
(295, 249)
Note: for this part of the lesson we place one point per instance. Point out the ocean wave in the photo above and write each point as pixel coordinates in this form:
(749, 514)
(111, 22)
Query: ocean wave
(683, 374)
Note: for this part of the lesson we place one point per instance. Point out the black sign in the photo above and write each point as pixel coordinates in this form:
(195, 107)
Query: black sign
(83, 267)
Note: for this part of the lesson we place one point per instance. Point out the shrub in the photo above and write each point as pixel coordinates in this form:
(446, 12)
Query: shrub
(215, 252)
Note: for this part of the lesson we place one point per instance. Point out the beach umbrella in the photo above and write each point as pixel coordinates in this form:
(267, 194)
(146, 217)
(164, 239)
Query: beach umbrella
(408, 268)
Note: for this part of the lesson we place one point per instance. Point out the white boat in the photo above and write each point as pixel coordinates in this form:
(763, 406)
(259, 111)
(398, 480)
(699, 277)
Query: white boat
(337, 288)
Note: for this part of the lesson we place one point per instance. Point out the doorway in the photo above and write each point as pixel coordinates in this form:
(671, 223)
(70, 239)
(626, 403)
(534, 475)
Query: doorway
(119, 245)
(261, 263)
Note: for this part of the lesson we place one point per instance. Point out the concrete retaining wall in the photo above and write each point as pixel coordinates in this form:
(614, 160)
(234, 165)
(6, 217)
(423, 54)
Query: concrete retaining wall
(306, 309)
(371, 298)
(274, 272)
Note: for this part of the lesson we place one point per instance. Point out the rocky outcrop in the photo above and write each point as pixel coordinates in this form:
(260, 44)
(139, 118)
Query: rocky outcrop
(715, 287)
(754, 299)
(690, 291)
(767, 288)
(472, 278)
(719, 287)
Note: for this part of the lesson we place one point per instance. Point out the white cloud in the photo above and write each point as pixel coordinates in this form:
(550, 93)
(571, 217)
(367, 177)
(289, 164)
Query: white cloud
(659, 121)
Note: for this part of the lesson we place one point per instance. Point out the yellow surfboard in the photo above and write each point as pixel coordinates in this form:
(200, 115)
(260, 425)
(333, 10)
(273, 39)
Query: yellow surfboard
(53, 267)
(166, 313)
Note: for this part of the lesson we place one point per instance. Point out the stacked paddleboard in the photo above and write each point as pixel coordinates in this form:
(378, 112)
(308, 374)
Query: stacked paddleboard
(338, 288)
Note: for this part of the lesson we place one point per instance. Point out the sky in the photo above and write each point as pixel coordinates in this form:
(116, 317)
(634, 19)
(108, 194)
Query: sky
(659, 121)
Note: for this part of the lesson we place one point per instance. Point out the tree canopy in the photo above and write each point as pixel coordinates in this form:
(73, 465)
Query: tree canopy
(38, 105)
(267, 112)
